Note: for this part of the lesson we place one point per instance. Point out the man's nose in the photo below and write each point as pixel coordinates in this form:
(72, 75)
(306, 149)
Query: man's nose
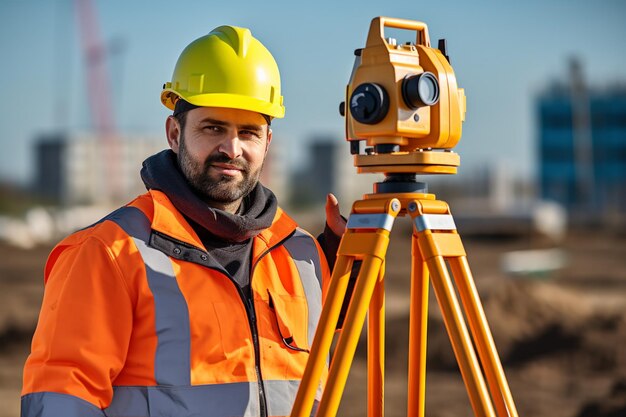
(231, 146)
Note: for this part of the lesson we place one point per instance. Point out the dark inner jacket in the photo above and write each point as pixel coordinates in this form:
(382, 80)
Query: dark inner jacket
(227, 237)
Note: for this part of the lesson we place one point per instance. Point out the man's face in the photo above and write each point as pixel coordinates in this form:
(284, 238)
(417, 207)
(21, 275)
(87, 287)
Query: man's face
(221, 152)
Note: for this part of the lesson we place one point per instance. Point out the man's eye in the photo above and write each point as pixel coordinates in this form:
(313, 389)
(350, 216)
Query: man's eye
(250, 133)
(215, 129)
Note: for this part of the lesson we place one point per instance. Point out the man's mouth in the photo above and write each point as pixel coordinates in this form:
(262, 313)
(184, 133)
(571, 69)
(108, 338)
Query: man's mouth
(226, 169)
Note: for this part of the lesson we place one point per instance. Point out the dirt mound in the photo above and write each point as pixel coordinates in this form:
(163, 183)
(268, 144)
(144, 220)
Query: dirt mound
(531, 321)
(613, 405)
(560, 348)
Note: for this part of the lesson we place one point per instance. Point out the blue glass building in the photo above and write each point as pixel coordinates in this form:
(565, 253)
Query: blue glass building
(582, 150)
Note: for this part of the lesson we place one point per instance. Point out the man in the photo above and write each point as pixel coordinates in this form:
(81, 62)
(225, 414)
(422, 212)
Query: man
(200, 297)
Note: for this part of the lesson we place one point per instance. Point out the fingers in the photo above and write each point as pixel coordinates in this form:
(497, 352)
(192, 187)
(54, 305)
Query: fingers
(332, 205)
(333, 216)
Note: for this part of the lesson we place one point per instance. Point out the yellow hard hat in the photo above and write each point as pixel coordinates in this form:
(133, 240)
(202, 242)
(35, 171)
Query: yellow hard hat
(226, 68)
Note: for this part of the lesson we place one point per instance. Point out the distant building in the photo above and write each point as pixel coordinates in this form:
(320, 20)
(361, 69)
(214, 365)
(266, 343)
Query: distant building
(80, 169)
(330, 169)
(582, 149)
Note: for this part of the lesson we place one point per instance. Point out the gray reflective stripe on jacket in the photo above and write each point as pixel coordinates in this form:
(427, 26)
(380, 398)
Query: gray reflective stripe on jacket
(303, 251)
(172, 356)
(223, 400)
(54, 404)
(219, 400)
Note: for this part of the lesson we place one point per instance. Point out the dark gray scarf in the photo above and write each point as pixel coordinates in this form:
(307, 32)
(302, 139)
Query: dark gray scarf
(161, 172)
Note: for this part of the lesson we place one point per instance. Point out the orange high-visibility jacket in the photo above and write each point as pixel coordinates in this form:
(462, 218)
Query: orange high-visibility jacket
(136, 321)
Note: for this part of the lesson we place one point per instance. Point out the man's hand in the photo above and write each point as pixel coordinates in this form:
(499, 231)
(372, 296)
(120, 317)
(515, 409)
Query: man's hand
(333, 217)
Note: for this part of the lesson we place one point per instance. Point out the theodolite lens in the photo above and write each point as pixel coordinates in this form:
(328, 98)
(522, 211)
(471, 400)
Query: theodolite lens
(420, 90)
(369, 103)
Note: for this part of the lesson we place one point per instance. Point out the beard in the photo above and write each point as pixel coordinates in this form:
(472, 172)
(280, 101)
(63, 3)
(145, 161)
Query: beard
(217, 187)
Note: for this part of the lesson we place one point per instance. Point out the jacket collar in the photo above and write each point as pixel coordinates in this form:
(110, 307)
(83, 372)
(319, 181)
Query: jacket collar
(166, 219)
(169, 221)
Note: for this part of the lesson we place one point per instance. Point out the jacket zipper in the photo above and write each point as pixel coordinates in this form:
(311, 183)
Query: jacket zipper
(255, 335)
(257, 354)
(250, 313)
(249, 307)
(248, 303)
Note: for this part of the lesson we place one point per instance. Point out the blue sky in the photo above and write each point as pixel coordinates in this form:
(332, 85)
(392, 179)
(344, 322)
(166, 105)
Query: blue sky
(503, 54)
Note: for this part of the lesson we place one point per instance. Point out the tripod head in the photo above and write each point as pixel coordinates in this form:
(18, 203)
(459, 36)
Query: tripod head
(403, 102)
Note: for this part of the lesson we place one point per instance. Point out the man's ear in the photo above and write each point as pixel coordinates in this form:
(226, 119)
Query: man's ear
(172, 130)
(269, 139)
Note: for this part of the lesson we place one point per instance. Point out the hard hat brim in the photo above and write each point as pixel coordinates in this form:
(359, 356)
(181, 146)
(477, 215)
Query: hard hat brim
(233, 101)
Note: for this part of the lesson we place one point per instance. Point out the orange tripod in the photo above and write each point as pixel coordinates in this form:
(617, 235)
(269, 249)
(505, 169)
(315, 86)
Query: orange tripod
(403, 101)
(438, 256)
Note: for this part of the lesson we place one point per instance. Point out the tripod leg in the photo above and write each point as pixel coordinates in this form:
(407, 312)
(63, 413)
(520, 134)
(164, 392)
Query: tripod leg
(437, 238)
(481, 333)
(367, 235)
(323, 337)
(349, 337)
(440, 242)
(418, 322)
(460, 338)
(376, 349)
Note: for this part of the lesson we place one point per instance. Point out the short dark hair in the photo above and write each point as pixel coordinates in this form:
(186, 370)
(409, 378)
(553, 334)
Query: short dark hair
(182, 119)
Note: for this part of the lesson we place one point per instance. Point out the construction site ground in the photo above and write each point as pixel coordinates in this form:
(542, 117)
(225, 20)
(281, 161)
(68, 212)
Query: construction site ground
(561, 335)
